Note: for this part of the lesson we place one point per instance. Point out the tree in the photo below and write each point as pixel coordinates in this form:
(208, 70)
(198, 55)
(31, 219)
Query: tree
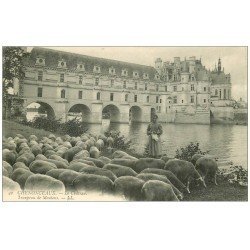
(12, 69)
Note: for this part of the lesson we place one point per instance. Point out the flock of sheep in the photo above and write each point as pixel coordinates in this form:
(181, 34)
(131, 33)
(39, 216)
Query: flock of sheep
(75, 164)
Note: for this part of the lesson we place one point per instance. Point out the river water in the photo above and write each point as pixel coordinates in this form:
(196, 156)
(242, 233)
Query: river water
(227, 142)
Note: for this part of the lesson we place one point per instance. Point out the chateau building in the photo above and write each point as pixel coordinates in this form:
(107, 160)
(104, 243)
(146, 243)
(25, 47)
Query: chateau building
(178, 91)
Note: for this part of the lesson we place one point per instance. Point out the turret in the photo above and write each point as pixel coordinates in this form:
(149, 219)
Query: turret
(158, 65)
(219, 65)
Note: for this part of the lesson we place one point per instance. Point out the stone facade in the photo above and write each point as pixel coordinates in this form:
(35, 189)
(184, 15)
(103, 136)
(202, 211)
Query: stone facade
(64, 83)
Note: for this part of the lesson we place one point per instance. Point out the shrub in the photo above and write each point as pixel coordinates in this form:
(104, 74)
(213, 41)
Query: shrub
(120, 142)
(187, 152)
(235, 175)
(73, 127)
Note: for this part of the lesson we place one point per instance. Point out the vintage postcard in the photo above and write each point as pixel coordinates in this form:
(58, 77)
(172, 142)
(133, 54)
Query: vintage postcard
(124, 124)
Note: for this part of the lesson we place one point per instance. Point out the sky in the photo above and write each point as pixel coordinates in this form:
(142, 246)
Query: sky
(234, 59)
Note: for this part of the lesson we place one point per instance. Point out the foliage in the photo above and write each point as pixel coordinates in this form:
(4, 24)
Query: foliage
(120, 142)
(235, 175)
(146, 152)
(12, 65)
(72, 127)
(187, 152)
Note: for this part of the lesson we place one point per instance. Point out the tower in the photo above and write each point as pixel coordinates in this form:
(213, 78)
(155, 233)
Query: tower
(219, 65)
(158, 65)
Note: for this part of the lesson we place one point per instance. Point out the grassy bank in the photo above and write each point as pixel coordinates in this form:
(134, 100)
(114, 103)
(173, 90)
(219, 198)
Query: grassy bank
(223, 192)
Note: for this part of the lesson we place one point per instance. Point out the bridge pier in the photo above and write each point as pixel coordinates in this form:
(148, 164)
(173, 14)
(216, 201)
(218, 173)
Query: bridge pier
(124, 113)
(96, 113)
(61, 111)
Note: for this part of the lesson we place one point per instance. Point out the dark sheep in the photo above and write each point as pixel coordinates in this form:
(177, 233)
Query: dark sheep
(90, 163)
(20, 165)
(70, 153)
(59, 164)
(104, 159)
(41, 182)
(174, 180)
(26, 158)
(184, 171)
(144, 163)
(92, 182)
(55, 173)
(148, 177)
(97, 162)
(58, 158)
(77, 166)
(158, 191)
(130, 187)
(35, 149)
(99, 171)
(9, 156)
(67, 177)
(207, 167)
(20, 175)
(124, 162)
(195, 157)
(119, 170)
(41, 167)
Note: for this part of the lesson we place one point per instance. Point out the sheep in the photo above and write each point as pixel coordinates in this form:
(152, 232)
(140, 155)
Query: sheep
(174, 180)
(35, 149)
(70, 153)
(39, 182)
(90, 163)
(67, 177)
(102, 137)
(100, 144)
(165, 158)
(99, 171)
(33, 138)
(41, 157)
(59, 164)
(58, 158)
(26, 158)
(5, 173)
(41, 167)
(7, 167)
(130, 187)
(10, 185)
(20, 175)
(77, 166)
(81, 155)
(49, 152)
(184, 171)
(119, 170)
(20, 165)
(46, 147)
(207, 167)
(119, 154)
(55, 173)
(144, 163)
(9, 156)
(92, 182)
(104, 159)
(124, 162)
(155, 190)
(97, 162)
(94, 152)
(110, 142)
(84, 138)
(9, 145)
(147, 177)
(82, 145)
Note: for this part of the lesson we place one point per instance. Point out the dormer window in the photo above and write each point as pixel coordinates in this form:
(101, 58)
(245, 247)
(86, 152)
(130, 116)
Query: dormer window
(40, 61)
(135, 74)
(97, 69)
(80, 67)
(124, 72)
(145, 76)
(157, 77)
(112, 71)
(62, 64)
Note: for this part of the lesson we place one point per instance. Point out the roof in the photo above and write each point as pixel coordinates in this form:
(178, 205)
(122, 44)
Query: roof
(220, 77)
(53, 56)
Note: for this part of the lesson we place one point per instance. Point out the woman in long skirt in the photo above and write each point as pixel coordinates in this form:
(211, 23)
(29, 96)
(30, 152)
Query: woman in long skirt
(154, 132)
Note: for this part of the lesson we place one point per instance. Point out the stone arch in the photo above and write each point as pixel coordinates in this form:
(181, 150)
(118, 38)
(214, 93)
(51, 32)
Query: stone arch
(135, 114)
(81, 110)
(44, 109)
(113, 111)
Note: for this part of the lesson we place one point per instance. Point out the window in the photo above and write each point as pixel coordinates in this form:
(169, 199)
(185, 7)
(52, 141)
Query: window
(40, 75)
(205, 89)
(175, 99)
(40, 92)
(157, 87)
(225, 94)
(98, 96)
(111, 82)
(182, 101)
(159, 109)
(63, 93)
(166, 88)
(135, 98)
(147, 98)
(157, 99)
(220, 93)
(111, 96)
(192, 99)
(96, 81)
(124, 84)
(175, 88)
(135, 85)
(216, 92)
(160, 100)
(126, 97)
(192, 87)
(61, 77)
(146, 86)
(62, 64)
(80, 79)
(192, 78)
(80, 95)
(205, 100)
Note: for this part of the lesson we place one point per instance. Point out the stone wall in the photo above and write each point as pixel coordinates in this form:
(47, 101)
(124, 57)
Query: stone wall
(197, 118)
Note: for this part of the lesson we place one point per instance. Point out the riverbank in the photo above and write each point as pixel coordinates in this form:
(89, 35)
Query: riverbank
(223, 192)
